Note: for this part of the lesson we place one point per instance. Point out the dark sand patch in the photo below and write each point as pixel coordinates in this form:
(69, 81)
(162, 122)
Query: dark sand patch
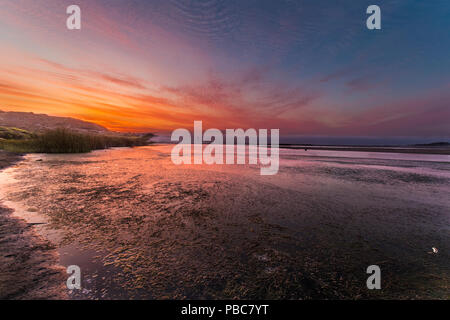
(413, 150)
(8, 158)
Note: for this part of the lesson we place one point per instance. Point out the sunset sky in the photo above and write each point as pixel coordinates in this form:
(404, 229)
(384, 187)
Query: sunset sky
(309, 68)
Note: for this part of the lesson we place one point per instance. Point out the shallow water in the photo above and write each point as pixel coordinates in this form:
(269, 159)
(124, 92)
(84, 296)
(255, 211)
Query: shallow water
(141, 227)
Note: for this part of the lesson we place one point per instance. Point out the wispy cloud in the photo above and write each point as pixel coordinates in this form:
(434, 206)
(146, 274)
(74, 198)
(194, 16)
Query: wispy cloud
(299, 66)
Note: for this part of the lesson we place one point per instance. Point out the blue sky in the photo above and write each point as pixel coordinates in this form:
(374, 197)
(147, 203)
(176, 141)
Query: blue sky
(309, 68)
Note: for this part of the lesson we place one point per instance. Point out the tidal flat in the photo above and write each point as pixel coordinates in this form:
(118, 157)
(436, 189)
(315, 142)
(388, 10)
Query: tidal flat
(141, 227)
(29, 266)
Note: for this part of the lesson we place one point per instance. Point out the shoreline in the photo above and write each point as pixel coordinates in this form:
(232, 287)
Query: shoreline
(399, 149)
(28, 263)
(124, 268)
(7, 159)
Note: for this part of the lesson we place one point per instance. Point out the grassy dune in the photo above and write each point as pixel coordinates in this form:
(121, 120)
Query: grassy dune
(66, 141)
(9, 133)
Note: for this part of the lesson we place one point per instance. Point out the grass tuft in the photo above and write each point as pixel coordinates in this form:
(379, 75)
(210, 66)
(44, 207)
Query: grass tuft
(66, 141)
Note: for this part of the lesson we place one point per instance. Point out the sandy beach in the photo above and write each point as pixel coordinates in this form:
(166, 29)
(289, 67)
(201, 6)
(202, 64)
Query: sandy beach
(140, 227)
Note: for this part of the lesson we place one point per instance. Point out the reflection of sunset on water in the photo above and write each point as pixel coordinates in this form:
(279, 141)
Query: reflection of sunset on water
(140, 226)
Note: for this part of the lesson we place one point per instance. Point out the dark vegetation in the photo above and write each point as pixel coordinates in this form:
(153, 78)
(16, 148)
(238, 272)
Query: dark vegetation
(433, 144)
(65, 141)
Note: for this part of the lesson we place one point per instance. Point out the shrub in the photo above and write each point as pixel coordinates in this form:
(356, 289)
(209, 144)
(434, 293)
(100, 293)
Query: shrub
(66, 141)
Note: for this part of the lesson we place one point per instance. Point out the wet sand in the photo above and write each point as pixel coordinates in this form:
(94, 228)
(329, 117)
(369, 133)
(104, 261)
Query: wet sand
(140, 227)
(412, 149)
(28, 263)
(8, 158)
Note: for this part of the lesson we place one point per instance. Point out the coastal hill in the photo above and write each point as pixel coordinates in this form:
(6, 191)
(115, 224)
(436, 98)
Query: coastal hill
(27, 132)
(41, 122)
